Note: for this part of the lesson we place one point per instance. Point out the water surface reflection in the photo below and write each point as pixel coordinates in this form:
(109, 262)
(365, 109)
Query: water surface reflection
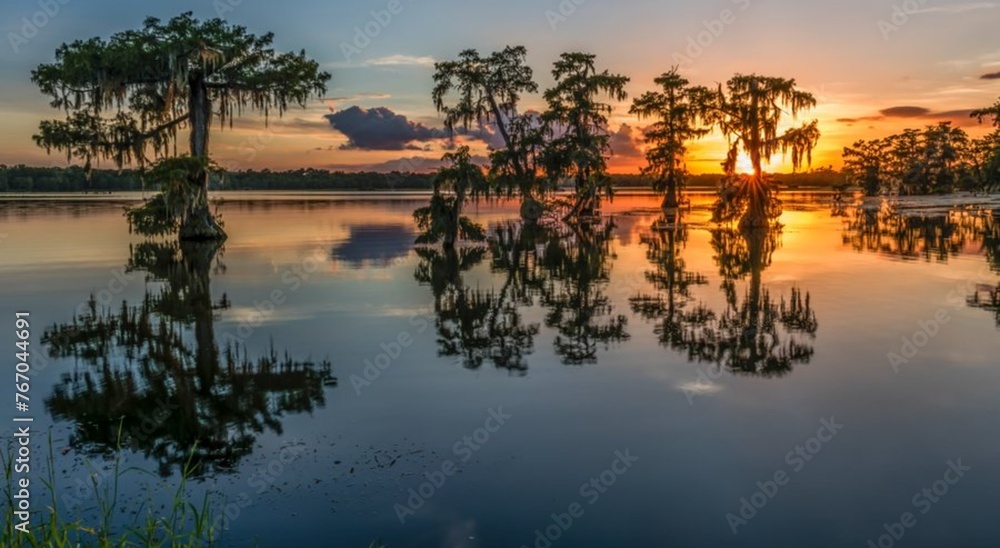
(153, 377)
(590, 339)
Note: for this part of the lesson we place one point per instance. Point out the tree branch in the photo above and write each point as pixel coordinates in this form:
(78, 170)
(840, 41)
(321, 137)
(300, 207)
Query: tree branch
(165, 126)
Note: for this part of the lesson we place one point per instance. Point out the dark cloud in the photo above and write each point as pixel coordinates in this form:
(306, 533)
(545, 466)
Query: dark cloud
(487, 133)
(380, 129)
(490, 134)
(990, 76)
(960, 117)
(624, 142)
(905, 112)
(862, 119)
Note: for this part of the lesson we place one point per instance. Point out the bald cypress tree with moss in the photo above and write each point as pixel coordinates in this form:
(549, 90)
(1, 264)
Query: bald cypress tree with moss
(486, 91)
(126, 99)
(576, 122)
(675, 116)
(749, 111)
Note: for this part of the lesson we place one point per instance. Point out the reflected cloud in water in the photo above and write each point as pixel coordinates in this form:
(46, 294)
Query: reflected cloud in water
(375, 245)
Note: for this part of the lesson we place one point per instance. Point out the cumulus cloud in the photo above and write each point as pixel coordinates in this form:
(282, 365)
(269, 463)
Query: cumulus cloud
(625, 142)
(381, 129)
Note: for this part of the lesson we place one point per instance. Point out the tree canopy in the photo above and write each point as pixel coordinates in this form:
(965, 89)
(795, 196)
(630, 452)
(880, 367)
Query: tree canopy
(939, 159)
(442, 220)
(486, 92)
(675, 113)
(576, 122)
(126, 97)
(749, 112)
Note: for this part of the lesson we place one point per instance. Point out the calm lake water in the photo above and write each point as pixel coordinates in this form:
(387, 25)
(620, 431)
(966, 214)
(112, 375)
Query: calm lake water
(635, 384)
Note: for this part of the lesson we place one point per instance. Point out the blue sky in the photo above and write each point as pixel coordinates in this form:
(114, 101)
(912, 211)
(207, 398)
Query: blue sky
(932, 58)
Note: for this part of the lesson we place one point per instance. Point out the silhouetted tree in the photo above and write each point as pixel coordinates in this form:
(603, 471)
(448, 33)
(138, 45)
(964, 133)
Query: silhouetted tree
(676, 123)
(486, 91)
(442, 220)
(577, 126)
(983, 160)
(864, 165)
(126, 97)
(749, 112)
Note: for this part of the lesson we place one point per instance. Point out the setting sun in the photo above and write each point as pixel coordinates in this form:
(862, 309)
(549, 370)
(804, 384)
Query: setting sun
(745, 166)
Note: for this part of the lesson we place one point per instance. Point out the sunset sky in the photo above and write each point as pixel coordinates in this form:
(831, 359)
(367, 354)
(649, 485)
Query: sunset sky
(871, 79)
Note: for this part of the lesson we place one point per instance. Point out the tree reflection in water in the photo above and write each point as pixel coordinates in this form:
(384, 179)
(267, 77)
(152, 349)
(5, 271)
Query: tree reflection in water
(753, 334)
(931, 234)
(561, 269)
(758, 335)
(577, 263)
(679, 325)
(154, 372)
(478, 325)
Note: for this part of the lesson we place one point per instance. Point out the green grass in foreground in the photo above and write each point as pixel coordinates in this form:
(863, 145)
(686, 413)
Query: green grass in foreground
(185, 525)
(181, 525)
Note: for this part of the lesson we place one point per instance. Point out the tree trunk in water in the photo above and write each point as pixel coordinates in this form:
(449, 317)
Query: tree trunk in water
(671, 205)
(756, 214)
(200, 224)
(670, 198)
(585, 206)
(757, 198)
(669, 202)
(454, 218)
(531, 209)
(671, 218)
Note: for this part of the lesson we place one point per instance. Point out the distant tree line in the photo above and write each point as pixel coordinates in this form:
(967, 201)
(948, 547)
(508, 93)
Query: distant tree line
(23, 178)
